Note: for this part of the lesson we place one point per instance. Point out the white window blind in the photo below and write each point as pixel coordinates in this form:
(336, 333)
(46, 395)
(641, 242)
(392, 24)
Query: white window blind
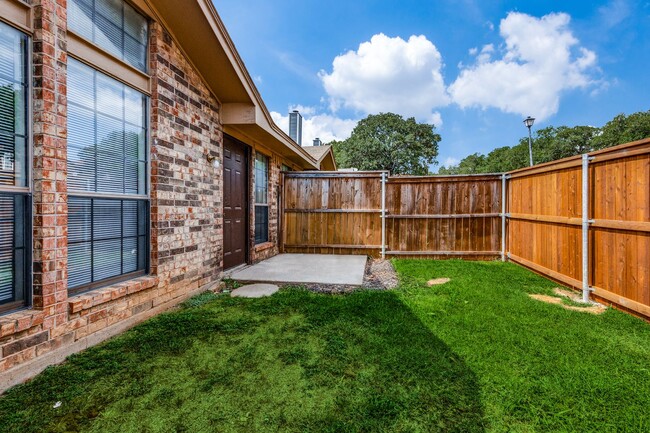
(112, 25)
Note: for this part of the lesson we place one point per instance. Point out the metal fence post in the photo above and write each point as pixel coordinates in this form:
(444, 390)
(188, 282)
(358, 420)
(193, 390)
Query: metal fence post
(503, 217)
(383, 215)
(585, 227)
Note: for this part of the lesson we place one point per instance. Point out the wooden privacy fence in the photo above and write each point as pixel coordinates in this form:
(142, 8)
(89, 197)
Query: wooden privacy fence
(538, 217)
(440, 217)
(334, 212)
(600, 200)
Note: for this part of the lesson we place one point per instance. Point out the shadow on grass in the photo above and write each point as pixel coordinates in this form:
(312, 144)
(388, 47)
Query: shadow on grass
(294, 362)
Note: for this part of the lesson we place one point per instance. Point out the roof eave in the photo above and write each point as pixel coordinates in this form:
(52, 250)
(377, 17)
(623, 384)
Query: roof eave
(203, 37)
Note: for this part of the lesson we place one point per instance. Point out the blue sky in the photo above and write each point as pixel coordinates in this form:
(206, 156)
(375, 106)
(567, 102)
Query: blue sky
(474, 68)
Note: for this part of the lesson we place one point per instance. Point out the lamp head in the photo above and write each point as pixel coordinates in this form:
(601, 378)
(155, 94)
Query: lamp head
(528, 121)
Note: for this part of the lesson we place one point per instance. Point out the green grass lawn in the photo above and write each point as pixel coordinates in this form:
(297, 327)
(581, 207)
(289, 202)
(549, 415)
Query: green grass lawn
(473, 355)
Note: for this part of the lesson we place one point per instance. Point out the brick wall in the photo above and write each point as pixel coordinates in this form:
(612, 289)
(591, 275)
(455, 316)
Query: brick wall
(186, 192)
(25, 335)
(186, 189)
(186, 206)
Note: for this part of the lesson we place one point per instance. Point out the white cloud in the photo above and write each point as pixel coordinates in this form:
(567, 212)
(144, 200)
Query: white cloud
(485, 55)
(324, 126)
(526, 74)
(614, 13)
(388, 75)
(451, 161)
(281, 121)
(435, 119)
(541, 59)
(304, 110)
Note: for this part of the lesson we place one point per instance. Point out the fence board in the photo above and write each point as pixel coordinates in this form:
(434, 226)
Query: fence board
(444, 216)
(545, 219)
(621, 211)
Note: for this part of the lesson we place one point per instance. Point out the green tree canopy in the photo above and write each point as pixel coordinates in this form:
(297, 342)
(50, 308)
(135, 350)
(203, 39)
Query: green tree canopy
(387, 141)
(552, 143)
(623, 129)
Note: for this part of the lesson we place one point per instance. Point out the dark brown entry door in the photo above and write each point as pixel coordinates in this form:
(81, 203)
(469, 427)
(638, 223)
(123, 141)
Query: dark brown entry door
(235, 209)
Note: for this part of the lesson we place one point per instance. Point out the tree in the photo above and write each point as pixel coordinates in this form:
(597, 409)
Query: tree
(507, 158)
(623, 129)
(470, 165)
(387, 141)
(552, 143)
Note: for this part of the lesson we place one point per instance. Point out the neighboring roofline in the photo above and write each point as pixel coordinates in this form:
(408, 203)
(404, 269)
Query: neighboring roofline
(329, 151)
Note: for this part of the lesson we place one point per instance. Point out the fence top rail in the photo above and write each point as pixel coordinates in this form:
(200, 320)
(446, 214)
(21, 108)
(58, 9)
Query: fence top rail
(620, 151)
(333, 174)
(623, 148)
(560, 164)
(445, 178)
(395, 179)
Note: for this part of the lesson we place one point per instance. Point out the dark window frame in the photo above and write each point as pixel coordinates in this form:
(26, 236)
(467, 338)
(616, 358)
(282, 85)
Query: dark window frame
(22, 227)
(139, 197)
(143, 254)
(21, 193)
(261, 233)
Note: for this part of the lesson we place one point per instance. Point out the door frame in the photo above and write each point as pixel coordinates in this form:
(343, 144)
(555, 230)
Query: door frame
(247, 187)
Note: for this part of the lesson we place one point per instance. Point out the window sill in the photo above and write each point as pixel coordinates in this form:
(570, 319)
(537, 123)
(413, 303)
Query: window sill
(264, 246)
(18, 321)
(91, 299)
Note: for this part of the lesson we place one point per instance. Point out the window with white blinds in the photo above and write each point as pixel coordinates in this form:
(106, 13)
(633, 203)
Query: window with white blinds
(107, 160)
(15, 219)
(14, 250)
(107, 238)
(13, 106)
(112, 25)
(106, 133)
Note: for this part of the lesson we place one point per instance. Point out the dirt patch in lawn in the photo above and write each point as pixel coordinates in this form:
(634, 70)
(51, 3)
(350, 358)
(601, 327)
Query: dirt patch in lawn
(438, 281)
(379, 275)
(564, 295)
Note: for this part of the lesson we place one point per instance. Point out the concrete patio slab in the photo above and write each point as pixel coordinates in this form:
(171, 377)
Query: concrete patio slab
(254, 291)
(306, 268)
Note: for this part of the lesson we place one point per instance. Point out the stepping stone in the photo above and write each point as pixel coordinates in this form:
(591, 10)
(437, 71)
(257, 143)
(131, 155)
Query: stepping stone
(254, 291)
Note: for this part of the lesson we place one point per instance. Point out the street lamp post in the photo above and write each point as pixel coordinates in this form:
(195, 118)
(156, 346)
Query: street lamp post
(528, 121)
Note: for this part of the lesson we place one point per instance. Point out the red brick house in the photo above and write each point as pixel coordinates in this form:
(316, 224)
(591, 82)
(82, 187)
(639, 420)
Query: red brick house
(137, 162)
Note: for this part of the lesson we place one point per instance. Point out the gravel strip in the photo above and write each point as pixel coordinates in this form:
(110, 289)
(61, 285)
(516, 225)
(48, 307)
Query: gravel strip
(380, 274)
